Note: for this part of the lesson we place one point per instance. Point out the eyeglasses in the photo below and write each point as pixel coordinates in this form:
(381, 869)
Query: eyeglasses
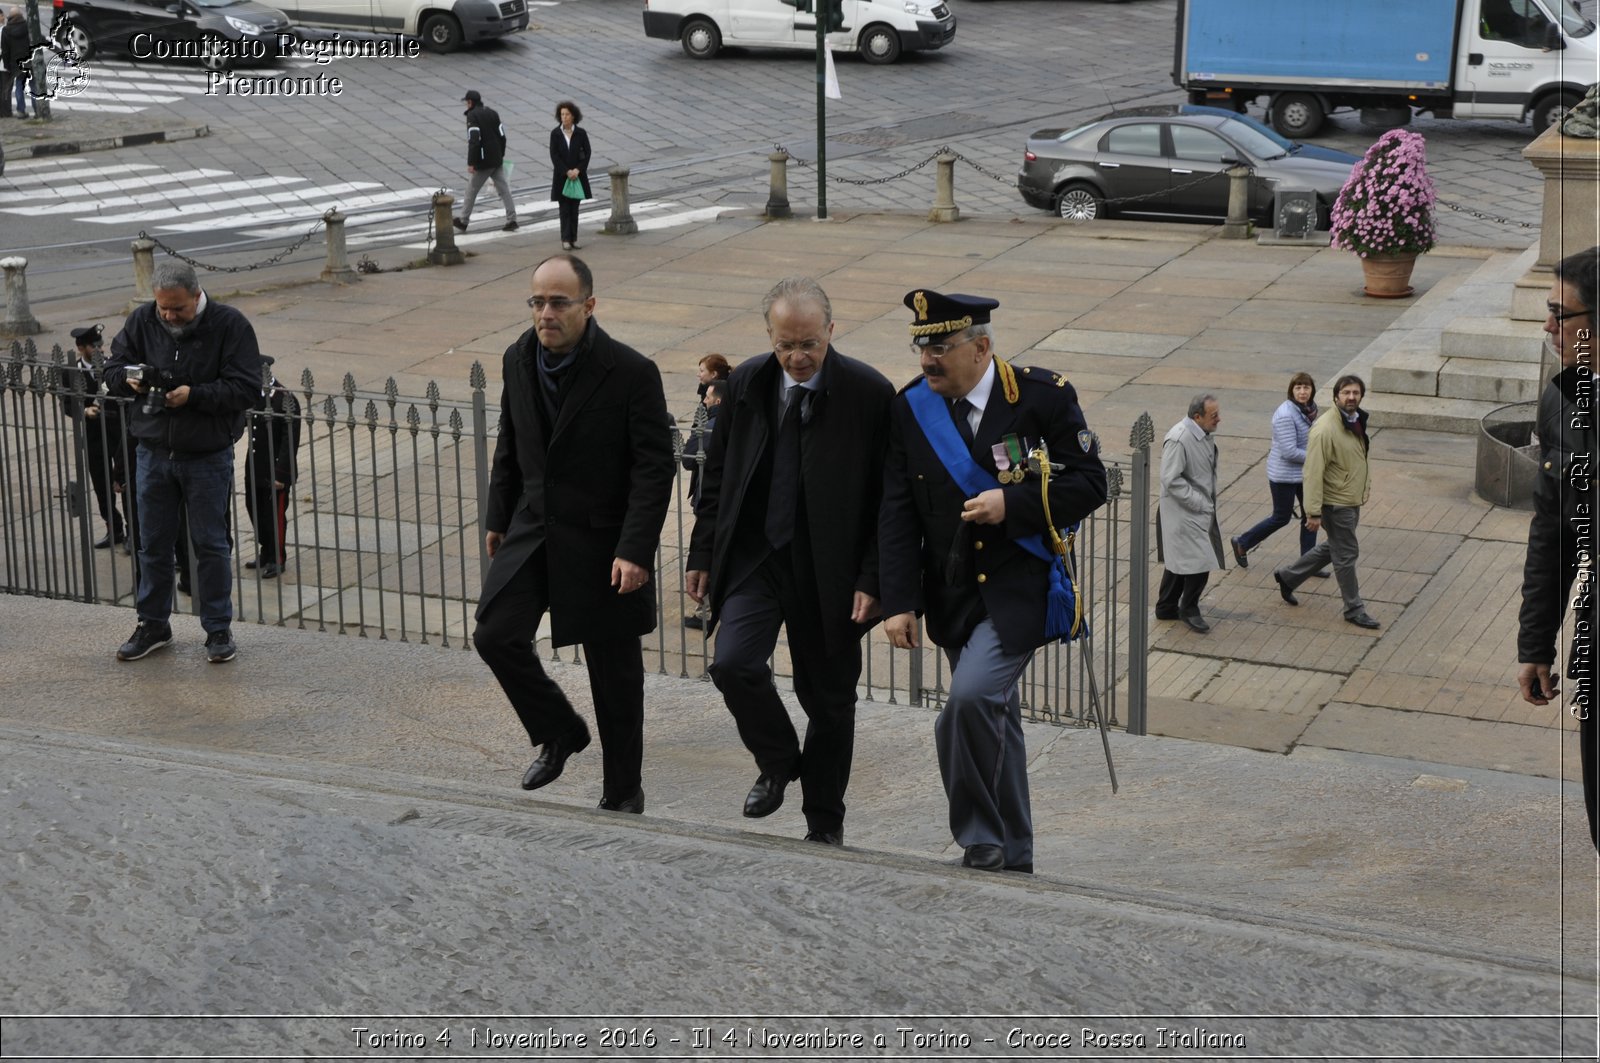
(559, 305)
(1561, 313)
(939, 350)
(788, 347)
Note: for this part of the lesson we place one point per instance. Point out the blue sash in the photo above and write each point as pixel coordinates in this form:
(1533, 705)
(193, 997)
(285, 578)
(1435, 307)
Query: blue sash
(1062, 619)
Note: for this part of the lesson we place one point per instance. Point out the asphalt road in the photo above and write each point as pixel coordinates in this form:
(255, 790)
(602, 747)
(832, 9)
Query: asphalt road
(695, 134)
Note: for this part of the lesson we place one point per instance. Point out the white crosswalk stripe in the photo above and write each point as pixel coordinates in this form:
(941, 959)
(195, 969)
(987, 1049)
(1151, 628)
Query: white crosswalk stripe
(65, 187)
(52, 170)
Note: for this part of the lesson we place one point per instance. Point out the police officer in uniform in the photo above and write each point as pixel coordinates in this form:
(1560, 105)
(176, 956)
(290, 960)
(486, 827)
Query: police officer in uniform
(958, 556)
(101, 424)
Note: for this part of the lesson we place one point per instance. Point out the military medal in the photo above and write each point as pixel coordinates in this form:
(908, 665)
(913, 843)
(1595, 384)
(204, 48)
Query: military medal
(1002, 462)
(1009, 460)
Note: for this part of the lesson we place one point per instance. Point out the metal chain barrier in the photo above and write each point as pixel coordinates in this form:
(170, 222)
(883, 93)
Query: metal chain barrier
(1481, 216)
(274, 260)
(1010, 182)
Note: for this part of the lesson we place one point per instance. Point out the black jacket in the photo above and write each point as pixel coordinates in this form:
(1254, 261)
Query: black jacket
(841, 470)
(564, 157)
(16, 46)
(275, 439)
(220, 362)
(1563, 522)
(486, 139)
(593, 486)
(956, 572)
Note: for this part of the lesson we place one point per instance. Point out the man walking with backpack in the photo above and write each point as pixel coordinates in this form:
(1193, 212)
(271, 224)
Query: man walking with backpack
(486, 159)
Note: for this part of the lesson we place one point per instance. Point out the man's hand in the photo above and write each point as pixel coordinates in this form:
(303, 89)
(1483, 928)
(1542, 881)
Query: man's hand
(628, 577)
(91, 412)
(177, 396)
(864, 607)
(902, 629)
(472, 169)
(695, 584)
(1538, 686)
(1313, 523)
(492, 541)
(988, 508)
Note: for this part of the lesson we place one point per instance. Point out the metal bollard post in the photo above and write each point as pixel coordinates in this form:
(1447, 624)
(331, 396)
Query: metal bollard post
(944, 199)
(1237, 227)
(144, 270)
(338, 270)
(19, 319)
(778, 186)
(445, 252)
(621, 222)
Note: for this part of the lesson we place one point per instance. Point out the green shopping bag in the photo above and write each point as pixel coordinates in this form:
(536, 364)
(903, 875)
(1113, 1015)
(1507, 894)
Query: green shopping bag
(573, 189)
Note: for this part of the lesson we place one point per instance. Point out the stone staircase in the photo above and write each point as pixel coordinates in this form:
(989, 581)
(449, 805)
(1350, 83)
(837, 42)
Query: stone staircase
(1457, 354)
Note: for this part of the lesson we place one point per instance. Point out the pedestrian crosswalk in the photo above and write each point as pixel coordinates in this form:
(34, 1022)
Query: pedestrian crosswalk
(120, 86)
(135, 196)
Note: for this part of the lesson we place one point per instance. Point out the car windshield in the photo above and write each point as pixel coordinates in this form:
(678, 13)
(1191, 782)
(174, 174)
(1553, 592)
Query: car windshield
(1262, 143)
(215, 3)
(1574, 22)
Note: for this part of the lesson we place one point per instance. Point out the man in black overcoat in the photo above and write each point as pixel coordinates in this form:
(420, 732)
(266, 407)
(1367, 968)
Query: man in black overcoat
(273, 468)
(954, 557)
(582, 477)
(1560, 566)
(786, 533)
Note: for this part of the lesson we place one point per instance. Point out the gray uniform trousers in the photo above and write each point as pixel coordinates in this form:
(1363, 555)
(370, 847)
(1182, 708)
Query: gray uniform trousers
(981, 755)
(501, 185)
(1341, 547)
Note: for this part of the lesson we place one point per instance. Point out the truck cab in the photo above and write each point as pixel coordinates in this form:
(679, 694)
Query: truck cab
(1515, 52)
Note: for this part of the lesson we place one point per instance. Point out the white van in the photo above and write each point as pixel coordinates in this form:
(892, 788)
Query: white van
(879, 29)
(443, 25)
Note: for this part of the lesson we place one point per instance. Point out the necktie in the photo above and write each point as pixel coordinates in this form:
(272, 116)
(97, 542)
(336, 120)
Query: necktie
(961, 410)
(785, 492)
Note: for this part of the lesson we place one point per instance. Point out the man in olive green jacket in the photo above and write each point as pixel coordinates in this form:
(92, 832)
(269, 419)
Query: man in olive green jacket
(1337, 485)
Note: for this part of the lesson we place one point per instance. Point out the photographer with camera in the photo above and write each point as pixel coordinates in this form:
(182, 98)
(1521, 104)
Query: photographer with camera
(197, 368)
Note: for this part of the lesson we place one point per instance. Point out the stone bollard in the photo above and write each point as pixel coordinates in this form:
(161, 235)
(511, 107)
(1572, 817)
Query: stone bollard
(944, 199)
(778, 186)
(445, 252)
(19, 319)
(621, 222)
(144, 271)
(338, 270)
(1237, 227)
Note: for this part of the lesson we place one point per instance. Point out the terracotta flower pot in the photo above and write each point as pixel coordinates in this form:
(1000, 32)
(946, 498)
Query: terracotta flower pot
(1389, 276)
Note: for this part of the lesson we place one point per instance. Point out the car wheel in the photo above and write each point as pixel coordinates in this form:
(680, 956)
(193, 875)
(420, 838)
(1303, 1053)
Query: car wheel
(879, 44)
(1550, 110)
(78, 41)
(701, 39)
(1080, 202)
(214, 53)
(1297, 114)
(441, 33)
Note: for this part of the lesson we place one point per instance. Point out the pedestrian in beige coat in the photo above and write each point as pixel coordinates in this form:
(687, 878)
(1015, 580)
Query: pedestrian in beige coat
(1188, 540)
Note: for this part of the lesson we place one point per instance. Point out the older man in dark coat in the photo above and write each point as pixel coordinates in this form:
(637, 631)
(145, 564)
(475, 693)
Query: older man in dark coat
(579, 490)
(960, 510)
(786, 533)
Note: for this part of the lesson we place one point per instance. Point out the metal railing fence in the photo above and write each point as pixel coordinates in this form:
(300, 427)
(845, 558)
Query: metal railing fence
(382, 535)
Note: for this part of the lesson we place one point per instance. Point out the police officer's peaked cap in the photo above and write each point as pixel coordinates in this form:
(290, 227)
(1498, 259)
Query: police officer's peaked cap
(472, 96)
(937, 315)
(88, 336)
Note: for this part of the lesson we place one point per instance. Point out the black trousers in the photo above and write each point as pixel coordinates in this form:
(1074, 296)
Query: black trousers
(1180, 594)
(268, 506)
(747, 633)
(569, 218)
(507, 627)
(102, 469)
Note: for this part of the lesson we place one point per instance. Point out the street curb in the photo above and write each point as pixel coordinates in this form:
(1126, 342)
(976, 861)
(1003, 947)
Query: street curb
(127, 140)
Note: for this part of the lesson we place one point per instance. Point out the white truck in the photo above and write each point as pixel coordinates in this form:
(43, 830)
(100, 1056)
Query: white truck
(879, 29)
(1509, 59)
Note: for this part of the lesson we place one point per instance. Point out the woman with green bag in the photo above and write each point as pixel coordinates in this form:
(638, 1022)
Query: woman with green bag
(569, 154)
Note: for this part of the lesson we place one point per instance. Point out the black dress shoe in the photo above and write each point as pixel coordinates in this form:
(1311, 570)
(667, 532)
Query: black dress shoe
(105, 542)
(984, 858)
(694, 622)
(1363, 620)
(1196, 623)
(1284, 591)
(553, 757)
(271, 570)
(634, 804)
(826, 837)
(183, 587)
(1239, 553)
(251, 564)
(766, 796)
(1021, 869)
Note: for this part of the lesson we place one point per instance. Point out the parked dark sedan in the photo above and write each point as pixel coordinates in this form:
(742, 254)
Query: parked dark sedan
(1172, 161)
(219, 34)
